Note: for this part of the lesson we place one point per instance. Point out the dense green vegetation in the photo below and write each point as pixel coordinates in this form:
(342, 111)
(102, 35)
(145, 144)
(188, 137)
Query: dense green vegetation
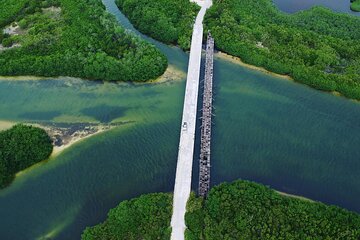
(355, 5)
(146, 217)
(240, 210)
(9, 11)
(246, 210)
(317, 47)
(20, 147)
(73, 38)
(169, 21)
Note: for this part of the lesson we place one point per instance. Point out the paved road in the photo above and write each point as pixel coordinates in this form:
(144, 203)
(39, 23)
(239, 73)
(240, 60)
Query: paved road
(187, 136)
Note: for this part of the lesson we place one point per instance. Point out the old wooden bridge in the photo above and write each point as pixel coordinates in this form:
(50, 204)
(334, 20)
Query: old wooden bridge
(204, 162)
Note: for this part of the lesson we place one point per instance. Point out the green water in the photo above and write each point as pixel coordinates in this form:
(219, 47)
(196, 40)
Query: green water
(266, 129)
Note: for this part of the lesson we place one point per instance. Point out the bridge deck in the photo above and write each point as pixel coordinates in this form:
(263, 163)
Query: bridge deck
(187, 136)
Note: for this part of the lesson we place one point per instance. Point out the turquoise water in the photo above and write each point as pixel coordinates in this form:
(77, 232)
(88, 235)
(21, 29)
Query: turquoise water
(266, 129)
(292, 6)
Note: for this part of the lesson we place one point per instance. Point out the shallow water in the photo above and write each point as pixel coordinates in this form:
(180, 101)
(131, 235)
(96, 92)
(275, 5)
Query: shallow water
(266, 129)
(292, 6)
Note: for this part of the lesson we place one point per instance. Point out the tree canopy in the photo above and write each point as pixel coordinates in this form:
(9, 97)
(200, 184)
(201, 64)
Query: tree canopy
(169, 21)
(245, 210)
(238, 210)
(20, 147)
(73, 38)
(146, 217)
(317, 47)
(355, 5)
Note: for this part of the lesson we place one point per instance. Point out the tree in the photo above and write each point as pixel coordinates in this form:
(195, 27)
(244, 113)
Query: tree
(20, 147)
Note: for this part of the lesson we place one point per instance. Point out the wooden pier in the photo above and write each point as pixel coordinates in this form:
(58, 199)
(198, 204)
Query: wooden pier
(204, 162)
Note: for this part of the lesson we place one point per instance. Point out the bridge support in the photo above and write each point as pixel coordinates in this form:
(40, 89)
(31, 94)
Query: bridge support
(204, 162)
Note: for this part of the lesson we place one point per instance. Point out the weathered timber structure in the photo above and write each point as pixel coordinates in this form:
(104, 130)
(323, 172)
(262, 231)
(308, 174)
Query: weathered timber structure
(204, 162)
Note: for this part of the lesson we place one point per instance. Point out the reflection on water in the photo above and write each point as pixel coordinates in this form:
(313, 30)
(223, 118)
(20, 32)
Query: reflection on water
(267, 129)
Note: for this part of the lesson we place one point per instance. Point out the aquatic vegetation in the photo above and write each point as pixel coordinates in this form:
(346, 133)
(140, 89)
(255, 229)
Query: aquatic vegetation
(20, 147)
(72, 38)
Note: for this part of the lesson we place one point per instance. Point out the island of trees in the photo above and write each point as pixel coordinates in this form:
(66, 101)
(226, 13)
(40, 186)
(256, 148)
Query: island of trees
(72, 38)
(355, 5)
(238, 210)
(20, 147)
(146, 217)
(317, 47)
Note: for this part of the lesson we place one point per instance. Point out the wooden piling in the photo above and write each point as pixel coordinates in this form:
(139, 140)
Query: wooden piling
(204, 162)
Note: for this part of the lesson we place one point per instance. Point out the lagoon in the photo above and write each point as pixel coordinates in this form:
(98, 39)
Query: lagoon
(266, 129)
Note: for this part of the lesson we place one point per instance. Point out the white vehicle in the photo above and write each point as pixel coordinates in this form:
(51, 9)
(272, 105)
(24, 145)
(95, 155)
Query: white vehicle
(184, 126)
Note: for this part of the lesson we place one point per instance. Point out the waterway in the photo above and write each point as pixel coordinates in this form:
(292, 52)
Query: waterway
(266, 129)
(291, 6)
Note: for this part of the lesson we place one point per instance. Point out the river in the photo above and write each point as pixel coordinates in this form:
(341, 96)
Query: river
(267, 129)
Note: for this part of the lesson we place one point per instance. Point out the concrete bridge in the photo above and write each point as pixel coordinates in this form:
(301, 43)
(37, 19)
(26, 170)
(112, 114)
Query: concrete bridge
(187, 136)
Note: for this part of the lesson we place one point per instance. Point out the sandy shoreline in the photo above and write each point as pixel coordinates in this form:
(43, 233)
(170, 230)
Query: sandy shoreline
(294, 196)
(22, 78)
(59, 149)
(6, 125)
(68, 140)
(171, 73)
(237, 60)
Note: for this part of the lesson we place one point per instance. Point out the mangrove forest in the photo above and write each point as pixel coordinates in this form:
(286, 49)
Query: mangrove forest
(20, 147)
(72, 38)
(238, 210)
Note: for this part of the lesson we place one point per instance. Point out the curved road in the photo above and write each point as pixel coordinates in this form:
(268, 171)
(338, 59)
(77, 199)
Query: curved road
(187, 136)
